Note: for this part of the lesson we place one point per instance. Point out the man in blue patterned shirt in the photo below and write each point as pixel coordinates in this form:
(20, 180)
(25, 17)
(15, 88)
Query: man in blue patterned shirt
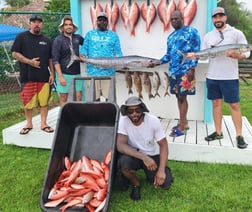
(181, 71)
(101, 42)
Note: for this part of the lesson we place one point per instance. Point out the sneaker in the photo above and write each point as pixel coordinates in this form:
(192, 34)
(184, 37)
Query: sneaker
(135, 193)
(214, 136)
(241, 143)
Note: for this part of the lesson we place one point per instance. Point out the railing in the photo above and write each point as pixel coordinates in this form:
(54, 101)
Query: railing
(245, 70)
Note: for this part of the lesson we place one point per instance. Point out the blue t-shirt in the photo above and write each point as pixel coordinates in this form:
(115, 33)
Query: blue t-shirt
(185, 40)
(101, 44)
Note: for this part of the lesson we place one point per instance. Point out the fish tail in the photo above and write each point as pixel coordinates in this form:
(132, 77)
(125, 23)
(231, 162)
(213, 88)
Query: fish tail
(156, 94)
(184, 56)
(151, 96)
(166, 94)
(140, 96)
(130, 91)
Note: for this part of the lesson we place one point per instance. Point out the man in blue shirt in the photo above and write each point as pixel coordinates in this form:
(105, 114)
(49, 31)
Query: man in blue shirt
(101, 42)
(181, 72)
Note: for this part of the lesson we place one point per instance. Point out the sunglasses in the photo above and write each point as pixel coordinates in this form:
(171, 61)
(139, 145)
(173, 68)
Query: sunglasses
(137, 110)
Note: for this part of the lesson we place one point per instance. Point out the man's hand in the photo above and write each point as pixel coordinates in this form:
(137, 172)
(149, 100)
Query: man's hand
(190, 55)
(235, 55)
(35, 62)
(149, 163)
(191, 74)
(160, 178)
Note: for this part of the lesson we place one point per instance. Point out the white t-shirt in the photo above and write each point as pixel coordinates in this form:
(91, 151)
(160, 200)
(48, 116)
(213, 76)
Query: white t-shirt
(223, 67)
(144, 136)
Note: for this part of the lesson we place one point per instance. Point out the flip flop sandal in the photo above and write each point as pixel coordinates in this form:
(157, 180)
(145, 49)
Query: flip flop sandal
(48, 129)
(176, 133)
(25, 130)
(176, 126)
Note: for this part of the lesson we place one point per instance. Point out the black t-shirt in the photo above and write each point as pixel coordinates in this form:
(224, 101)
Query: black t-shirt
(32, 46)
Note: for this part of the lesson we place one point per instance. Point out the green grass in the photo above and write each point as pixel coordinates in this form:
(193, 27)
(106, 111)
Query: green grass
(197, 186)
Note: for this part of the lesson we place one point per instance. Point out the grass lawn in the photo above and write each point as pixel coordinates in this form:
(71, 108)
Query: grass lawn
(197, 186)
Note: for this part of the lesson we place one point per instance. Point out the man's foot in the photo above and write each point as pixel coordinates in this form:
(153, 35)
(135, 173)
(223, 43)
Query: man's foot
(47, 129)
(214, 136)
(25, 130)
(241, 143)
(135, 193)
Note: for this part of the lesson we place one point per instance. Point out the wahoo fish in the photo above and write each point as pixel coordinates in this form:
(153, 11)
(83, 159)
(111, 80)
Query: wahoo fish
(120, 63)
(218, 50)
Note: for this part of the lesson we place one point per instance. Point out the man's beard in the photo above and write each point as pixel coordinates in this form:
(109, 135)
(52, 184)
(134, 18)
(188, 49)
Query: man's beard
(219, 24)
(37, 31)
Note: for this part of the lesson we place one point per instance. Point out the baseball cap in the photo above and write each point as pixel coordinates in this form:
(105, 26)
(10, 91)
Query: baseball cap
(102, 14)
(35, 17)
(218, 10)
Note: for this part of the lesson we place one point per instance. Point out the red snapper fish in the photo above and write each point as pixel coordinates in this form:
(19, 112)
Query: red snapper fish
(94, 10)
(181, 6)
(162, 14)
(134, 15)
(190, 12)
(114, 16)
(171, 7)
(148, 13)
(125, 14)
(108, 11)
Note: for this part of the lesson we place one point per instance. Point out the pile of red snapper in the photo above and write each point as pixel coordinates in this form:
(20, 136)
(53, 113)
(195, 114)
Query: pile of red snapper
(83, 183)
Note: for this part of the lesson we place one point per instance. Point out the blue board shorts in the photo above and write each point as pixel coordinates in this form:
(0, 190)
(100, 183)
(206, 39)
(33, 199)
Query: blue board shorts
(228, 90)
(69, 79)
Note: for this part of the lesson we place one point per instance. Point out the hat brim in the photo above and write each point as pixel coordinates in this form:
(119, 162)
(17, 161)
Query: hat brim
(60, 27)
(123, 108)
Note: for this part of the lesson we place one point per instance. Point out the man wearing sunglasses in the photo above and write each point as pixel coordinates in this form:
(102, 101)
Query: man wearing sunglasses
(139, 133)
(223, 75)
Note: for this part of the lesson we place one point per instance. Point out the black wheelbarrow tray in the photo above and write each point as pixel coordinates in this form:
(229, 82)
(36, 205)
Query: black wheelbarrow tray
(82, 129)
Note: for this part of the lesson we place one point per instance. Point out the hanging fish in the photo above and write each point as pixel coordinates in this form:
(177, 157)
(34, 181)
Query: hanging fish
(162, 14)
(156, 83)
(114, 16)
(128, 80)
(134, 14)
(108, 11)
(170, 9)
(138, 84)
(94, 10)
(148, 13)
(125, 15)
(166, 84)
(147, 84)
(181, 6)
(190, 12)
